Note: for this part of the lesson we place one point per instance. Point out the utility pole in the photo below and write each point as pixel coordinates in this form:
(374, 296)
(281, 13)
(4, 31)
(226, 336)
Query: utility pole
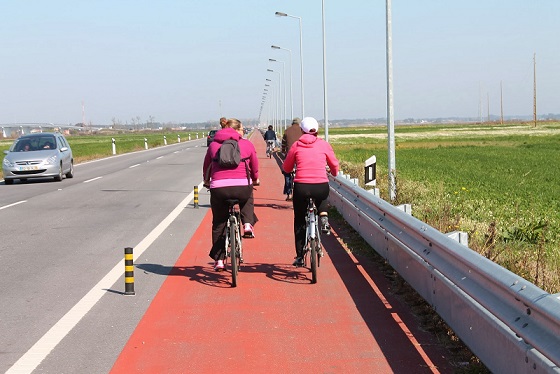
(501, 104)
(535, 88)
(84, 116)
(488, 105)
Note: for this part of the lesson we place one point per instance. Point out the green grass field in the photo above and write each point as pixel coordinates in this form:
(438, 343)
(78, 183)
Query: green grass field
(498, 183)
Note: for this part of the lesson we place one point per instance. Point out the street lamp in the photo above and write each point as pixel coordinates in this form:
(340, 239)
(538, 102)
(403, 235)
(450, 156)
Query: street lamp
(283, 80)
(291, 90)
(279, 91)
(280, 14)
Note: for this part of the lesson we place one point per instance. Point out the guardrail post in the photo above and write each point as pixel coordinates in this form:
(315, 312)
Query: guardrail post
(164, 140)
(145, 143)
(459, 236)
(128, 272)
(407, 208)
(114, 146)
(196, 197)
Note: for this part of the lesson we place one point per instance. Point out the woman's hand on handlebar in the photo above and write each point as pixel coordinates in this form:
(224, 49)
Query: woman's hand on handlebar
(256, 182)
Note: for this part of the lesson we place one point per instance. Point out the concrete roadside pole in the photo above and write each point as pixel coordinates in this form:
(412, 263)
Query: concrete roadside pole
(114, 146)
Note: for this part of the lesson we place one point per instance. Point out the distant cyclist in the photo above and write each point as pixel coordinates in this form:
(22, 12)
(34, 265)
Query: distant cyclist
(270, 138)
(291, 135)
(236, 183)
(310, 155)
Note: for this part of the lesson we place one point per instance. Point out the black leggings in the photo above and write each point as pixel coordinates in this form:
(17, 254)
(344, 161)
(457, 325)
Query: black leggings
(303, 191)
(220, 214)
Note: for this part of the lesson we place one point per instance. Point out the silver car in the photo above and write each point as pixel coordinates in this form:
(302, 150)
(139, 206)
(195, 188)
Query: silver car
(38, 155)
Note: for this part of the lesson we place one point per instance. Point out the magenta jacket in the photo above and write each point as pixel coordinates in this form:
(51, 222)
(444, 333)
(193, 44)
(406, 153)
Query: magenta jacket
(311, 154)
(220, 177)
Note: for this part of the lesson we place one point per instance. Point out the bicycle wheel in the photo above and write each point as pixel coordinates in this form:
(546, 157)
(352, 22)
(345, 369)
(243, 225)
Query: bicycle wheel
(233, 252)
(314, 258)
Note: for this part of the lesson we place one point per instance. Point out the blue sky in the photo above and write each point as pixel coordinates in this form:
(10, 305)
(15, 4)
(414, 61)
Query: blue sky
(193, 61)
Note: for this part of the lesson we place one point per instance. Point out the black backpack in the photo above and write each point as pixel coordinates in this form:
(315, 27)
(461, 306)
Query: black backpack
(229, 154)
(229, 157)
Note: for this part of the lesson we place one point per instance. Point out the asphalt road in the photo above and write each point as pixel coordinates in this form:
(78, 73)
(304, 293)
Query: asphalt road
(62, 248)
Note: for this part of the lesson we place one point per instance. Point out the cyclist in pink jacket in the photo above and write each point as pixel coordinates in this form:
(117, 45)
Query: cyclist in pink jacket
(309, 155)
(224, 184)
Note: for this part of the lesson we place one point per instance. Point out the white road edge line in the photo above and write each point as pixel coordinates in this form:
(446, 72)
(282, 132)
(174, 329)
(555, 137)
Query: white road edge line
(19, 202)
(91, 180)
(39, 351)
(133, 166)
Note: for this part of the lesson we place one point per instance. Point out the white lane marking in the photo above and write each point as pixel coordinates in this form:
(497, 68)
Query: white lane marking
(133, 166)
(37, 353)
(159, 157)
(93, 179)
(17, 203)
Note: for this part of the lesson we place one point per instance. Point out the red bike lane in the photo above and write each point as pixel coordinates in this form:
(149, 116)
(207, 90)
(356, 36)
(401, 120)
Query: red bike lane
(276, 321)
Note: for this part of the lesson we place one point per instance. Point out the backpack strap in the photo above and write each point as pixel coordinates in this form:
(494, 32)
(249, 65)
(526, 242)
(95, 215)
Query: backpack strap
(244, 160)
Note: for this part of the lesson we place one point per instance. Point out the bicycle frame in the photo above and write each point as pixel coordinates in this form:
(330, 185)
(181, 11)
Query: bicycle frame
(269, 147)
(312, 246)
(233, 245)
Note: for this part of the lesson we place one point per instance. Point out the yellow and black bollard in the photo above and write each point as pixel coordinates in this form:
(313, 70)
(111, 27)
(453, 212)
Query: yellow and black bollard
(128, 272)
(196, 197)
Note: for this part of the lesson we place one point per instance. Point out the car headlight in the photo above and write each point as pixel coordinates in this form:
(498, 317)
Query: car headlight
(51, 160)
(7, 163)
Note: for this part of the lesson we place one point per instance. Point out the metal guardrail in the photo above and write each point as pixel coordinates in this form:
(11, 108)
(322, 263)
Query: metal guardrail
(512, 325)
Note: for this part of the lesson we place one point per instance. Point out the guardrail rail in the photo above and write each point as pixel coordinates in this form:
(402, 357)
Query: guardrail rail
(512, 325)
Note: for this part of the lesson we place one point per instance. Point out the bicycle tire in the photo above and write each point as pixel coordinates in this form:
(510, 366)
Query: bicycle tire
(233, 252)
(313, 260)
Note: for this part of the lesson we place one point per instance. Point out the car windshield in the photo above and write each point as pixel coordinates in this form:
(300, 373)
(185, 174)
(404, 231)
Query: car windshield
(35, 143)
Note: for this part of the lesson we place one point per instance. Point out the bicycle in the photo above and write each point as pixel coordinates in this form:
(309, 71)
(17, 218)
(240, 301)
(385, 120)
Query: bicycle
(269, 148)
(234, 248)
(312, 246)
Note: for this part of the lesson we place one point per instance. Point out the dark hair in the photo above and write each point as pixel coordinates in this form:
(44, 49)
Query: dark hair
(270, 127)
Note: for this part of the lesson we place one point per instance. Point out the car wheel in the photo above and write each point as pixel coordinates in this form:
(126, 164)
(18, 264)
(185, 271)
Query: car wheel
(58, 178)
(8, 181)
(70, 174)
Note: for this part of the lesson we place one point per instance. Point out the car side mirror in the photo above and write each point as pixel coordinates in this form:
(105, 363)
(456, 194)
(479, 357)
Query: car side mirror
(63, 149)
(6, 151)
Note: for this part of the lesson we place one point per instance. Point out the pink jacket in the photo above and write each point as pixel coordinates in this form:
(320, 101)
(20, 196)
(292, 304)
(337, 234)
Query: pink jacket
(230, 177)
(311, 154)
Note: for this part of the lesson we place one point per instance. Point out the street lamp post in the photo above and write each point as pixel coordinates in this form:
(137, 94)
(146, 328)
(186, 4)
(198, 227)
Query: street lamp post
(279, 91)
(291, 89)
(325, 106)
(392, 169)
(280, 14)
(284, 81)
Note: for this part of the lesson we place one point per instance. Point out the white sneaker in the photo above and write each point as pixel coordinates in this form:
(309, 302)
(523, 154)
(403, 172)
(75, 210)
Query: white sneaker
(248, 231)
(219, 265)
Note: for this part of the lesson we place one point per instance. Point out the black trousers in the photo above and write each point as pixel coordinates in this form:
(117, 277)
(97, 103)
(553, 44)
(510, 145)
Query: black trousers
(303, 191)
(220, 214)
(288, 181)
